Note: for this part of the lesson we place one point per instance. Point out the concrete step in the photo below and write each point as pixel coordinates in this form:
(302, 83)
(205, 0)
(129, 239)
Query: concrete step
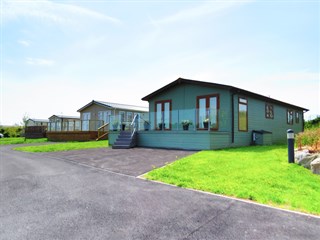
(115, 146)
(124, 137)
(123, 141)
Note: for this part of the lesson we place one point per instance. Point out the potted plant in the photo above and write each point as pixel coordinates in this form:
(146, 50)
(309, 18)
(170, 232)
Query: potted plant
(115, 125)
(206, 123)
(185, 124)
(161, 126)
(146, 125)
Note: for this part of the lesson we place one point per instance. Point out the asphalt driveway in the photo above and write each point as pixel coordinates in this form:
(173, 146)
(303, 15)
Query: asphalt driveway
(133, 162)
(48, 197)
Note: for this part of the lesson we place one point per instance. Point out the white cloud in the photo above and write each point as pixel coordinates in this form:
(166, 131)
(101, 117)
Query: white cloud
(59, 13)
(39, 61)
(24, 43)
(207, 8)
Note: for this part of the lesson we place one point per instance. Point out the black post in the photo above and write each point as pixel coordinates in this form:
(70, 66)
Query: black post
(290, 137)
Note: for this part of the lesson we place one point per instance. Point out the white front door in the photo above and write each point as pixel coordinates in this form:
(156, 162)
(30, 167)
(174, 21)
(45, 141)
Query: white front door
(85, 121)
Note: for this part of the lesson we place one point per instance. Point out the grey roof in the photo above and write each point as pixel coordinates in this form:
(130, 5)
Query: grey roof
(65, 117)
(216, 85)
(38, 120)
(115, 106)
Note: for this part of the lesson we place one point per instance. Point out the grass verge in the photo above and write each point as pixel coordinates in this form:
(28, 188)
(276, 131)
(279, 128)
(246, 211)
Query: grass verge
(64, 146)
(259, 173)
(20, 140)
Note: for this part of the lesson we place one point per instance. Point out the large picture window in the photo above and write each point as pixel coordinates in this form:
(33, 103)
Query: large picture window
(243, 114)
(207, 112)
(163, 115)
(104, 116)
(129, 117)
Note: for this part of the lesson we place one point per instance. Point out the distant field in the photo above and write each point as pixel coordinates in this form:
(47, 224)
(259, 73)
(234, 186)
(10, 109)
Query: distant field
(21, 140)
(67, 146)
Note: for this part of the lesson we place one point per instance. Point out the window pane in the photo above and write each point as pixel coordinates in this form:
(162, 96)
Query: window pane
(243, 100)
(290, 117)
(243, 117)
(202, 111)
(269, 111)
(100, 115)
(121, 116)
(297, 117)
(213, 112)
(129, 116)
(167, 115)
(158, 114)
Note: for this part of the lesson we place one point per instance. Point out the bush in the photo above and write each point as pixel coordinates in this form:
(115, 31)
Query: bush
(12, 131)
(309, 138)
(314, 123)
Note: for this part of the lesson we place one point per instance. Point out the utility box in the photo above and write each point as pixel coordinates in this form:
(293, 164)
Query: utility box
(261, 137)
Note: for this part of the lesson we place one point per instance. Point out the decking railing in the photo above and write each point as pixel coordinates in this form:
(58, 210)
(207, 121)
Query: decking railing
(196, 119)
(74, 125)
(185, 119)
(103, 131)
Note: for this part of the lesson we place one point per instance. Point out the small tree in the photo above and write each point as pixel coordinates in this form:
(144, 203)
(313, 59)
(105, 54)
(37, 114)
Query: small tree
(25, 119)
(24, 122)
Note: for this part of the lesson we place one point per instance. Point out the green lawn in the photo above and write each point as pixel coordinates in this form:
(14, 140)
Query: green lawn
(259, 173)
(67, 146)
(20, 140)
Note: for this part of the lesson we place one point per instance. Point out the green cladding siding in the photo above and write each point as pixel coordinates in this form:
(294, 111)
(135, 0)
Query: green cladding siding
(257, 121)
(190, 140)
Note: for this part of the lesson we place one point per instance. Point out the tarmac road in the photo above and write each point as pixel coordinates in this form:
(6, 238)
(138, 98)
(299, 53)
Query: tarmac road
(48, 197)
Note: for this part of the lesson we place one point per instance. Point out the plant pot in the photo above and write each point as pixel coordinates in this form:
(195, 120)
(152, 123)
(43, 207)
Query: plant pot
(162, 126)
(205, 125)
(185, 127)
(123, 127)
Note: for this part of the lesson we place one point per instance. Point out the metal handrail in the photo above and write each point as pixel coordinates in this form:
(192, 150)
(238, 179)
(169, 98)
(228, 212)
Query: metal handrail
(133, 123)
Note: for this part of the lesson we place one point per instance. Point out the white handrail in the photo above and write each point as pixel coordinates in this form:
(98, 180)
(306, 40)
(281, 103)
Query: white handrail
(133, 123)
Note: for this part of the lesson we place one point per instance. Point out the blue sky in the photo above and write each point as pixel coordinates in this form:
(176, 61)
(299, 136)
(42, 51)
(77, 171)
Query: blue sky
(57, 56)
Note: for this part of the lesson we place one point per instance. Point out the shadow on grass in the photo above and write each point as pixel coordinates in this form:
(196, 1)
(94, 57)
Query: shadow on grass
(253, 149)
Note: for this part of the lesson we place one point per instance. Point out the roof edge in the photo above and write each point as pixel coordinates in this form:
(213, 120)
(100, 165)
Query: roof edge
(228, 87)
(106, 104)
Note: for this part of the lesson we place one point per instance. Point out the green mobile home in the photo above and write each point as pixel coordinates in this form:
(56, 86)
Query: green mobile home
(189, 114)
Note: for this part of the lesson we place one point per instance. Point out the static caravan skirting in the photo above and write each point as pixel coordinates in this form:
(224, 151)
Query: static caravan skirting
(196, 140)
(187, 140)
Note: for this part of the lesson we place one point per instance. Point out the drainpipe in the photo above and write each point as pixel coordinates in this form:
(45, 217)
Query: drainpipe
(232, 117)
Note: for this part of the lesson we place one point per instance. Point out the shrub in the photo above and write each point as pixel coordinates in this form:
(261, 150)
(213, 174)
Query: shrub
(314, 123)
(309, 138)
(11, 131)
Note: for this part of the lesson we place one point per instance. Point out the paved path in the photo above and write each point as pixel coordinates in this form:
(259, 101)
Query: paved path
(42, 197)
